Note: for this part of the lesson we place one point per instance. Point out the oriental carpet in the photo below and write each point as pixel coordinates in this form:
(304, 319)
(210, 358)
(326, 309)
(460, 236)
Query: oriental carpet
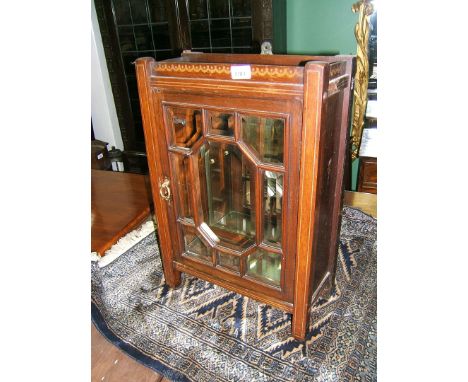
(202, 332)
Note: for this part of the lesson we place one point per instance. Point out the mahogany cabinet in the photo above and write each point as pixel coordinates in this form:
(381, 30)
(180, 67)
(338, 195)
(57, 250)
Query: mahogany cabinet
(246, 156)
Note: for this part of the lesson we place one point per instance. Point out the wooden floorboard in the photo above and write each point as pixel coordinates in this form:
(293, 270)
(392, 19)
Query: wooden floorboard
(365, 202)
(110, 364)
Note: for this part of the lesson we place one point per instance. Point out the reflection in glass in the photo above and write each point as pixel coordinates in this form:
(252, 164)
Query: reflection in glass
(273, 200)
(186, 125)
(229, 261)
(194, 247)
(180, 166)
(221, 124)
(225, 174)
(265, 136)
(265, 266)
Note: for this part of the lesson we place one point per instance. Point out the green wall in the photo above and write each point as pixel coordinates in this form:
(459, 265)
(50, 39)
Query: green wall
(321, 27)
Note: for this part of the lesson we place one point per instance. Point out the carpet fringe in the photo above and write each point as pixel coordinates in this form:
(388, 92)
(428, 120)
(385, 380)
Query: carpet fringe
(124, 244)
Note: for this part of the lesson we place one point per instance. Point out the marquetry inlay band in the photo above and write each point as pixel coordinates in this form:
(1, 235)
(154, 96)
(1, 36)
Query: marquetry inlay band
(257, 71)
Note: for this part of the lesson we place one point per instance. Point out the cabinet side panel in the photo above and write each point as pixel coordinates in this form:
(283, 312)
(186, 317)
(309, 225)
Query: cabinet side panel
(327, 194)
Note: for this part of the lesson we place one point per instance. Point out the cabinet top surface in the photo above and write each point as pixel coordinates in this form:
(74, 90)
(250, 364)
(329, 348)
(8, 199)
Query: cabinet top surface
(253, 59)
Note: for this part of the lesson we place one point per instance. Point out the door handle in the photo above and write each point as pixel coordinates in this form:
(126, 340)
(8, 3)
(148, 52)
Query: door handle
(164, 189)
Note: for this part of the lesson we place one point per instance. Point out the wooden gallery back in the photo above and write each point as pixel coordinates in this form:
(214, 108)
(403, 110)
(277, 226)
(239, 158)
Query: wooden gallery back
(246, 156)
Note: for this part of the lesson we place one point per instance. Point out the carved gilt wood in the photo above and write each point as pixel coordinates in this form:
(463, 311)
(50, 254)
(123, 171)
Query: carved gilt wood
(361, 31)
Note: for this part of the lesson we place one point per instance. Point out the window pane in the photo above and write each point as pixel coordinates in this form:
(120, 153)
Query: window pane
(127, 59)
(161, 36)
(241, 8)
(200, 34)
(127, 40)
(242, 36)
(143, 37)
(220, 33)
(197, 9)
(122, 12)
(139, 15)
(157, 10)
(219, 8)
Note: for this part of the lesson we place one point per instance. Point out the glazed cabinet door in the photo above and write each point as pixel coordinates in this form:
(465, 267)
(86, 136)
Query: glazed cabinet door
(229, 174)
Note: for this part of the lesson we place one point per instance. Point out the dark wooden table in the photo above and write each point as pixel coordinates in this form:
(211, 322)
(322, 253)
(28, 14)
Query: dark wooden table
(120, 202)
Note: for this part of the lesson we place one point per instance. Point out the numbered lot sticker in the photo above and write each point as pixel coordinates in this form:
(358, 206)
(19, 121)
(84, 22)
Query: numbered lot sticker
(241, 72)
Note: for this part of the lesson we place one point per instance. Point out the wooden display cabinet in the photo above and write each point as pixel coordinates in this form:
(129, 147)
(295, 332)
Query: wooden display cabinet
(246, 156)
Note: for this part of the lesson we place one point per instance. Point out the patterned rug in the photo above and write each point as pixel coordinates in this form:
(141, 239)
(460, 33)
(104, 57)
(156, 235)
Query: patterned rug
(202, 332)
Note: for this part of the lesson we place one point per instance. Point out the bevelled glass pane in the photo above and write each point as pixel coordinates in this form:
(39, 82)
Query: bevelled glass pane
(143, 37)
(126, 39)
(180, 166)
(221, 123)
(220, 33)
(161, 36)
(200, 34)
(265, 266)
(264, 135)
(139, 15)
(194, 247)
(223, 171)
(122, 12)
(241, 8)
(197, 9)
(273, 201)
(219, 8)
(186, 126)
(229, 261)
(157, 9)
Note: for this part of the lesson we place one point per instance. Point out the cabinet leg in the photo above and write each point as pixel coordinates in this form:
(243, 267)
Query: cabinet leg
(172, 277)
(300, 323)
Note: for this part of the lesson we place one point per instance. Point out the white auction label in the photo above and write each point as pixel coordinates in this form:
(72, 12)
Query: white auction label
(241, 72)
